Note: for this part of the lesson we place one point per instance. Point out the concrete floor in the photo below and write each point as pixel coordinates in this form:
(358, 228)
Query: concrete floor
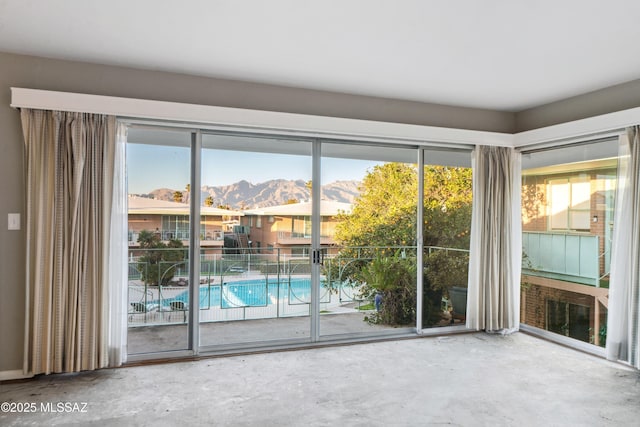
(145, 339)
(467, 380)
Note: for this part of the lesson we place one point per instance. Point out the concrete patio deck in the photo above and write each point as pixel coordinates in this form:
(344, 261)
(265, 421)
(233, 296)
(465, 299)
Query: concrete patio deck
(143, 339)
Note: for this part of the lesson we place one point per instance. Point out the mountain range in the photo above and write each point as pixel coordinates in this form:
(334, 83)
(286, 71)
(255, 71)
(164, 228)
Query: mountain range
(244, 194)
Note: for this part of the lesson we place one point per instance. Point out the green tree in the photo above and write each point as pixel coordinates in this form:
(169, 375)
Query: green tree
(208, 201)
(177, 196)
(383, 222)
(309, 186)
(447, 206)
(385, 212)
(160, 260)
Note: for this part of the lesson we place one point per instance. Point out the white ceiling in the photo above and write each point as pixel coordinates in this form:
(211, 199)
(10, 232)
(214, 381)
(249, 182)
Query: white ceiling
(497, 54)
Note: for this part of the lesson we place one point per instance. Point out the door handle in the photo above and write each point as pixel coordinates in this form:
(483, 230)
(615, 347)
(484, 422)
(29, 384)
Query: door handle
(317, 257)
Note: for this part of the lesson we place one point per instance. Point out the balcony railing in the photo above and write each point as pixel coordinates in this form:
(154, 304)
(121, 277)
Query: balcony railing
(288, 235)
(254, 285)
(562, 256)
(167, 235)
(292, 238)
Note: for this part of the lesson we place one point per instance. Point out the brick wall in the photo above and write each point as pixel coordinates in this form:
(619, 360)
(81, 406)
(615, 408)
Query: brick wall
(534, 211)
(533, 309)
(536, 291)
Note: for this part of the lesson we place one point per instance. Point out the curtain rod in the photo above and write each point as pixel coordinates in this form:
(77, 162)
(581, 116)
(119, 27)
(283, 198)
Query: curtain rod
(293, 135)
(571, 142)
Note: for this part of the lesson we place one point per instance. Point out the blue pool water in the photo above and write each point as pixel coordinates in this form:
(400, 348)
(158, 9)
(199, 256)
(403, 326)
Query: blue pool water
(251, 293)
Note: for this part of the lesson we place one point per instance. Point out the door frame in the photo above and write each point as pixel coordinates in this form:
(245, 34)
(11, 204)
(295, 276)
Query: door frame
(195, 348)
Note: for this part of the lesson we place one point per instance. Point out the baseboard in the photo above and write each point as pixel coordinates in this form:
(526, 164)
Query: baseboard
(17, 374)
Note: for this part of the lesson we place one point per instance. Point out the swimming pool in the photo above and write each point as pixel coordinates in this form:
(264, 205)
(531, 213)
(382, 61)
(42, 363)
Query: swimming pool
(254, 293)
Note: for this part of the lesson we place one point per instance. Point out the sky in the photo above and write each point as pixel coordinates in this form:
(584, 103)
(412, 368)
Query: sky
(150, 167)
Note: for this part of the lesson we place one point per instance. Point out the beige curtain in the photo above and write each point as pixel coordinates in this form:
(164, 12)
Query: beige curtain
(493, 301)
(69, 171)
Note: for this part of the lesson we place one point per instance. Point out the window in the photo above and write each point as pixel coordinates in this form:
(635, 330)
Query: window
(327, 226)
(300, 252)
(569, 203)
(395, 180)
(567, 222)
(568, 319)
(175, 227)
(301, 226)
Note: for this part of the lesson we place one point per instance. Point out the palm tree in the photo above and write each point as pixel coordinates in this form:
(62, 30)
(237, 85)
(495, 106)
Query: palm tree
(309, 186)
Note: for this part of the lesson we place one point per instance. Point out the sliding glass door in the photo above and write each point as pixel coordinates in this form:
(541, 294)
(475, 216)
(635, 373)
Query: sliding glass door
(446, 225)
(255, 243)
(158, 176)
(242, 240)
(567, 222)
(368, 209)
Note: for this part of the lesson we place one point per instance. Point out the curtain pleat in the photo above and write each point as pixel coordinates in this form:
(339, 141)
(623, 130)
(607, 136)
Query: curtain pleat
(69, 169)
(623, 323)
(116, 275)
(495, 249)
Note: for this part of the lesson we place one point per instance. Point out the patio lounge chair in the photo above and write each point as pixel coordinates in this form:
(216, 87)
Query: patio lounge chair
(179, 306)
(137, 308)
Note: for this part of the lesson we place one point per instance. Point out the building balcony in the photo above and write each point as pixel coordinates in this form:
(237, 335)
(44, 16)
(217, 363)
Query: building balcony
(292, 238)
(207, 238)
(572, 257)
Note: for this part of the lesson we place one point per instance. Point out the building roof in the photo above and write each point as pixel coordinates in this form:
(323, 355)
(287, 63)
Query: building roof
(144, 205)
(327, 208)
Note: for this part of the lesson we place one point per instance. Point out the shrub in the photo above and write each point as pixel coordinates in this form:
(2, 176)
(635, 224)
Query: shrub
(393, 278)
(160, 261)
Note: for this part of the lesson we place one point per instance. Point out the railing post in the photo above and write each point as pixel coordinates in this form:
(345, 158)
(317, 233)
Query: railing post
(596, 321)
(597, 263)
(278, 276)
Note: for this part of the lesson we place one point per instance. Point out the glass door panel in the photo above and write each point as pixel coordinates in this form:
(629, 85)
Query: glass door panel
(255, 279)
(447, 198)
(566, 239)
(368, 237)
(158, 176)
